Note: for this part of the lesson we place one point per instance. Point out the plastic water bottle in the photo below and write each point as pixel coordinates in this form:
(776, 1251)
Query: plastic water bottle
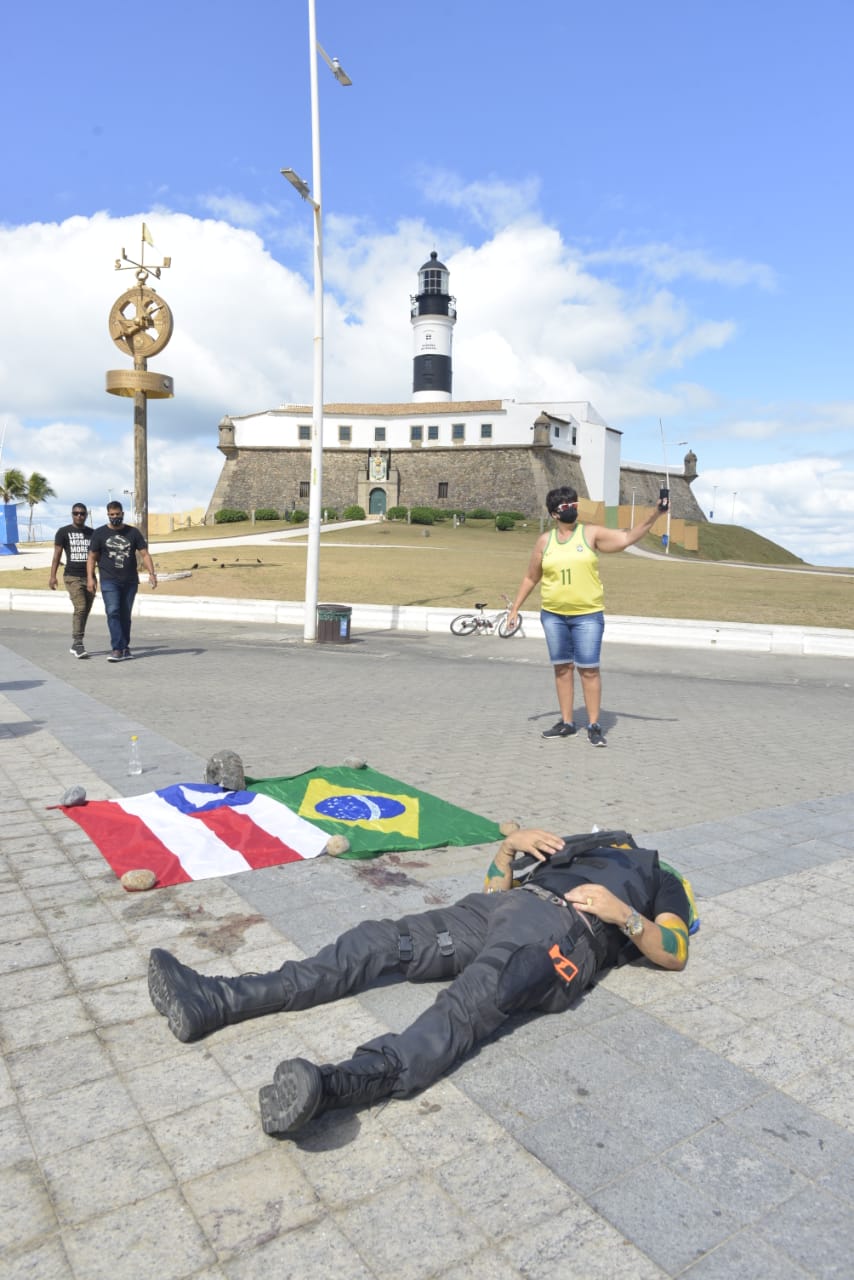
(134, 758)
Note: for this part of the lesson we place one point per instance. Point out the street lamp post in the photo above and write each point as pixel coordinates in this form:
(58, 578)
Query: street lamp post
(714, 499)
(313, 197)
(734, 496)
(667, 482)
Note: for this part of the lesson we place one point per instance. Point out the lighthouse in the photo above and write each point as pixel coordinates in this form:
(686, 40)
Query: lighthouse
(434, 315)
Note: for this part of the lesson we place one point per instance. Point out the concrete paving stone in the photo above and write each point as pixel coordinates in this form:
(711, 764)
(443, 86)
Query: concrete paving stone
(674, 1225)
(439, 1126)
(699, 1019)
(155, 1237)
(146, 1041)
(579, 1064)
(87, 912)
(121, 1002)
(740, 1177)
(61, 1064)
(7, 1092)
(837, 1001)
(49, 880)
(80, 1114)
(488, 1265)
(89, 939)
(15, 1145)
(577, 1243)
(807, 1026)
(349, 1025)
(242, 1207)
(805, 1141)
(584, 1147)
(747, 1256)
(318, 1251)
(523, 1195)
(350, 1156)
(174, 1084)
(25, 924)
(191, 1140)
(46, 1261)
(250, 1059)
(778, 1063)
(437, 1234)
(828, 1089)
(762, 990)
(840, 1179)
(19, 989)
(25, 1209)
(14, 901)
(98, 1177)
(42, 1022)
(499, 1080)
(815, 1230)
(107, 968)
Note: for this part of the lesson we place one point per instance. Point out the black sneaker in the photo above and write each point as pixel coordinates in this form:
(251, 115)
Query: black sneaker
(126, 654)
(115, 656)
(77, 651)
(594, 736)
(560, 730)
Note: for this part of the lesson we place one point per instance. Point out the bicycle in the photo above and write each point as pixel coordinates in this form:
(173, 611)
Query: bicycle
(465, 624)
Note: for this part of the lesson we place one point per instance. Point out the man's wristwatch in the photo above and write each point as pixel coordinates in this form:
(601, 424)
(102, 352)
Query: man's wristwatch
(633, 926)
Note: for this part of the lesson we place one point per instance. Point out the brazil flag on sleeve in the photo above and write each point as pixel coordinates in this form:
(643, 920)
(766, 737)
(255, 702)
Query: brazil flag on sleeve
(377, 814)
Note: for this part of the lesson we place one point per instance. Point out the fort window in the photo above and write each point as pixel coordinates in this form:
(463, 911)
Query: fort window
(304, 487)
(443, 489)
(458, 432)
(416, 435)
(345, 435)
(486, 431)
(379, 435)
(432, 433)
(303, 432)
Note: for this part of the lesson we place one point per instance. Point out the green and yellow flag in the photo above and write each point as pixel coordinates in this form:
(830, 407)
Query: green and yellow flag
(376, 813)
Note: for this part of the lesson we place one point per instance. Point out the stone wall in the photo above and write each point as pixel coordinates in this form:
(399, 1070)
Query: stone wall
(503, 479)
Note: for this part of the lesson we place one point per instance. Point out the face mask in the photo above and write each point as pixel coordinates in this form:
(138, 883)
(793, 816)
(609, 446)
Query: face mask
(568, 514)
(117, 521)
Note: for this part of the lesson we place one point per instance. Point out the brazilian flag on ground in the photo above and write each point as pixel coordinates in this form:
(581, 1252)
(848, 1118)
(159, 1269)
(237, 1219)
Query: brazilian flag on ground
(377, 814)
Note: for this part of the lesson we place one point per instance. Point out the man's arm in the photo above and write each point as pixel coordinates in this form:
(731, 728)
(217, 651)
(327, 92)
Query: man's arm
(91, 565)
(149, 565)
(54, 566)
(663, 940)
(541, 844)
(601, 539)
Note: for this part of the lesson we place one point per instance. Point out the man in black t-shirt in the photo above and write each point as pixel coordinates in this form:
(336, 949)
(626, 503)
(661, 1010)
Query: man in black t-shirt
(538, 947)
(113, 552)
(74, 539)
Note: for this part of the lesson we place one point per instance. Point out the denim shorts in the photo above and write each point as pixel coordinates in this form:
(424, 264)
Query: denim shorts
(573, 638)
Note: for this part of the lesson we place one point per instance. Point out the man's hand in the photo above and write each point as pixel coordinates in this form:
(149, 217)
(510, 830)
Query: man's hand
(540, 844)
(596, 900)
(91, 585)
(51, 582)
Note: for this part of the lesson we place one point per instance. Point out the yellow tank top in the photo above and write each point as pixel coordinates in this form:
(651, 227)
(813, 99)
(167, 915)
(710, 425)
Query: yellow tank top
(570, 583)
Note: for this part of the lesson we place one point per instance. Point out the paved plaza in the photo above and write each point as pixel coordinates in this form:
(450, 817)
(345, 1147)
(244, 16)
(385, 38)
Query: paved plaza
(697, 1124)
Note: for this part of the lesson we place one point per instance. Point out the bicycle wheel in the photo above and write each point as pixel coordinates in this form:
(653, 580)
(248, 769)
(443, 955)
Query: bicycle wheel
(464, 625)
(506, 631)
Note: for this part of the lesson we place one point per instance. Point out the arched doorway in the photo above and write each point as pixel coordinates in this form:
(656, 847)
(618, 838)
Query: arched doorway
(377, 502)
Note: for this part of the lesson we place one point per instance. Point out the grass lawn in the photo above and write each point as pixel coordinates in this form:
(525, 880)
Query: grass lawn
(442, 566)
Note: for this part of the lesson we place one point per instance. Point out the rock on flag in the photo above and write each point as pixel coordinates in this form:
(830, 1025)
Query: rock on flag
(376, 813)
(192, 831)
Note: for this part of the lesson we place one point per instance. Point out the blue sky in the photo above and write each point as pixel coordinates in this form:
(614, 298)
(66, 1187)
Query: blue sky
(643, 205)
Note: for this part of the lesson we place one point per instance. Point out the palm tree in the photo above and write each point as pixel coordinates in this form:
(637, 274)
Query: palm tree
(38, 489)
(12, 485)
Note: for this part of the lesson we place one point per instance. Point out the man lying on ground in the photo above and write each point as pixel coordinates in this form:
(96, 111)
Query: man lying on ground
(578, 907)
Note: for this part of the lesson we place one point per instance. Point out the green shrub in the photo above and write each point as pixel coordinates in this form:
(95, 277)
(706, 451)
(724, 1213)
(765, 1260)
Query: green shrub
(504, 522)
(354, 512)
(266, 513)
(481, 513)
(514, 515)
(299, 517)
(397, 513)
(421, 515)
(329, 513)
(229, 515)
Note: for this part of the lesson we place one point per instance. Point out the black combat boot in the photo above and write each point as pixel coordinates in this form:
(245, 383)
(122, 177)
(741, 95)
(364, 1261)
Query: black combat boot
(196, 1004)
(300, 1090)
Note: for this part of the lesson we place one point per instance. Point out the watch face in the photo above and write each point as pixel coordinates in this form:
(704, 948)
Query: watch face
(634, 925)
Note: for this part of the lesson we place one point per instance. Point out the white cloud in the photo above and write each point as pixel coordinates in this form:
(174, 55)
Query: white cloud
(535, 320)
(668, 263)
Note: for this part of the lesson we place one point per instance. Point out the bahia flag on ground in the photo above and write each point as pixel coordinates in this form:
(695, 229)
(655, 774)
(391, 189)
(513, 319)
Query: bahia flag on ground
(195, 830)
(376, 813)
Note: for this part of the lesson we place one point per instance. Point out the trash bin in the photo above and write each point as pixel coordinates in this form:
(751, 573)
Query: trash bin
(333, 623)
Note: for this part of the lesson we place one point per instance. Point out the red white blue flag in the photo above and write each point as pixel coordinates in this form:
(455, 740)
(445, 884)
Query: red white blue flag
(194, 830)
